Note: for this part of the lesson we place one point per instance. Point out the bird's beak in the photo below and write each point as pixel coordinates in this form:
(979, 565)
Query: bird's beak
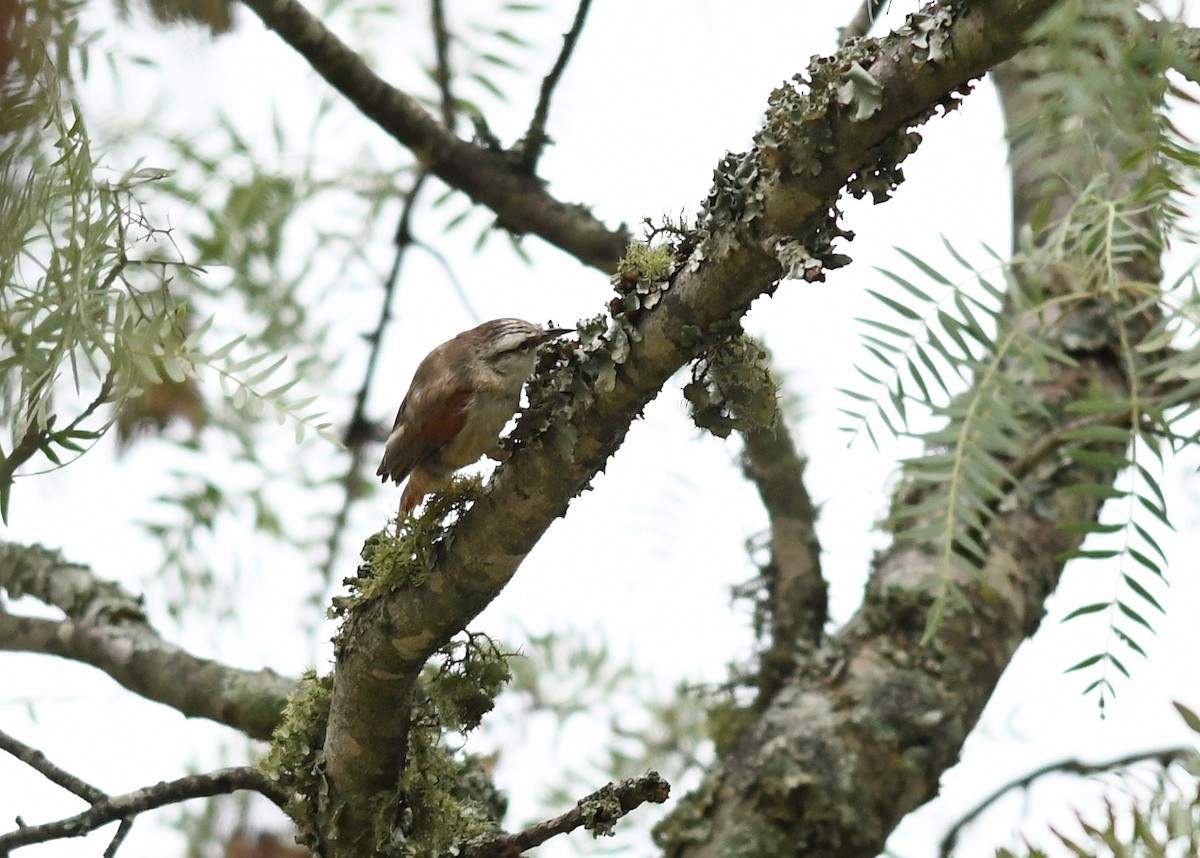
(556, 332)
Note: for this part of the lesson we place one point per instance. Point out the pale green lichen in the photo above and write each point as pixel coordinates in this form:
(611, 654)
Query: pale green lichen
(444, 799)
(732, 387)
(402, 555)
(651, 263)
(296, 761)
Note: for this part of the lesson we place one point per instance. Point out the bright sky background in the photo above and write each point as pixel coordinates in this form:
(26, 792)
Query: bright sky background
(656, 94)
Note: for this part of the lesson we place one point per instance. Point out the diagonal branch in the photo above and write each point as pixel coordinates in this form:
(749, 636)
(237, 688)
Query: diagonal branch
(360, 430)
(490, 178)
(105, 627)
(37, 761)
(386, 640)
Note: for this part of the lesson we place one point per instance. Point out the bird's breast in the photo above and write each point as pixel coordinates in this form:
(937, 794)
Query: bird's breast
(487, 413)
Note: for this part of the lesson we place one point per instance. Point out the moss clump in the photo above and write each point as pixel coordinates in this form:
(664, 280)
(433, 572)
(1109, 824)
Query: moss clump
(402, 555)
(296, 761)
(444, 799)
(646, 262)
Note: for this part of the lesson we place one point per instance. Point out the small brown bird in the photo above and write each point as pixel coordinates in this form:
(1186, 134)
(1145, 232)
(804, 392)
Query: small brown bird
(461, 395)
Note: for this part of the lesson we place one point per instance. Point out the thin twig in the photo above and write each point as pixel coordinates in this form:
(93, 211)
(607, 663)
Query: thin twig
(1164, 757)
(119, 838)
(598, 812)
(361, 430)
(124, 807)
(441, 69)
(864, 19)
(535, 138)
(37, 761)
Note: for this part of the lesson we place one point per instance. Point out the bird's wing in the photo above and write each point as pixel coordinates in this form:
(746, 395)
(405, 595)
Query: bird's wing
(410, 442)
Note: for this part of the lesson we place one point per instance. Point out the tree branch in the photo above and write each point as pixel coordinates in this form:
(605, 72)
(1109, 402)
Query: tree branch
(490, 178)
(106, 809)
(386, 640)
(360, 430)
(535, 138)
(864, 729)
(598, 812)
(441, 67)
(1164, 757)
(798, 594)
(37, 761)
(105, 627)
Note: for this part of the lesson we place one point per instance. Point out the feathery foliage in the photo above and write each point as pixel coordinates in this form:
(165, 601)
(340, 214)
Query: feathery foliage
(1109, 173)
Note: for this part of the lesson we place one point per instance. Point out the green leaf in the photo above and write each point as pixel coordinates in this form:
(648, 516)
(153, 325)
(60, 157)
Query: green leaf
(928, 270)
(1093, 608)
(895, 305)
(909, 287)
(1087, 662)
(1134, 615)
(1188, 715)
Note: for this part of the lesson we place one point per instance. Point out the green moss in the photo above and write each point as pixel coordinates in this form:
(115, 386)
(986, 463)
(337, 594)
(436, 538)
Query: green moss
(690, 823)
(296, 761)
(444, 799)
(650, 263)
(402, 555)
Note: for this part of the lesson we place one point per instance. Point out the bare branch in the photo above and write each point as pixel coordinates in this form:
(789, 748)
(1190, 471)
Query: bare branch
(123, 829)
(798, 592)
(597, 812)
(490, 178)
(361, 430)
(107, 629)
(535, 138)
(37, 761)
(1163, 756)
(124, 807)
(441, 68)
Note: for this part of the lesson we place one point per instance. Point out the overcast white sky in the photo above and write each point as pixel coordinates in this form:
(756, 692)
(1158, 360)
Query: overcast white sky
(656, 94)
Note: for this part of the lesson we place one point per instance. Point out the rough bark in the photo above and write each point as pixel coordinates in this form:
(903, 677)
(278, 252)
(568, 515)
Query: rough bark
(862, 732)
(106, 628)
(791, 190)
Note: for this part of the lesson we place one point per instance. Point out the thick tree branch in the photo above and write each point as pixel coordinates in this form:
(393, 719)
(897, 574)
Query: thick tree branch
(598, 812)
(385, 641)
(490, 178)
(105, 627)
